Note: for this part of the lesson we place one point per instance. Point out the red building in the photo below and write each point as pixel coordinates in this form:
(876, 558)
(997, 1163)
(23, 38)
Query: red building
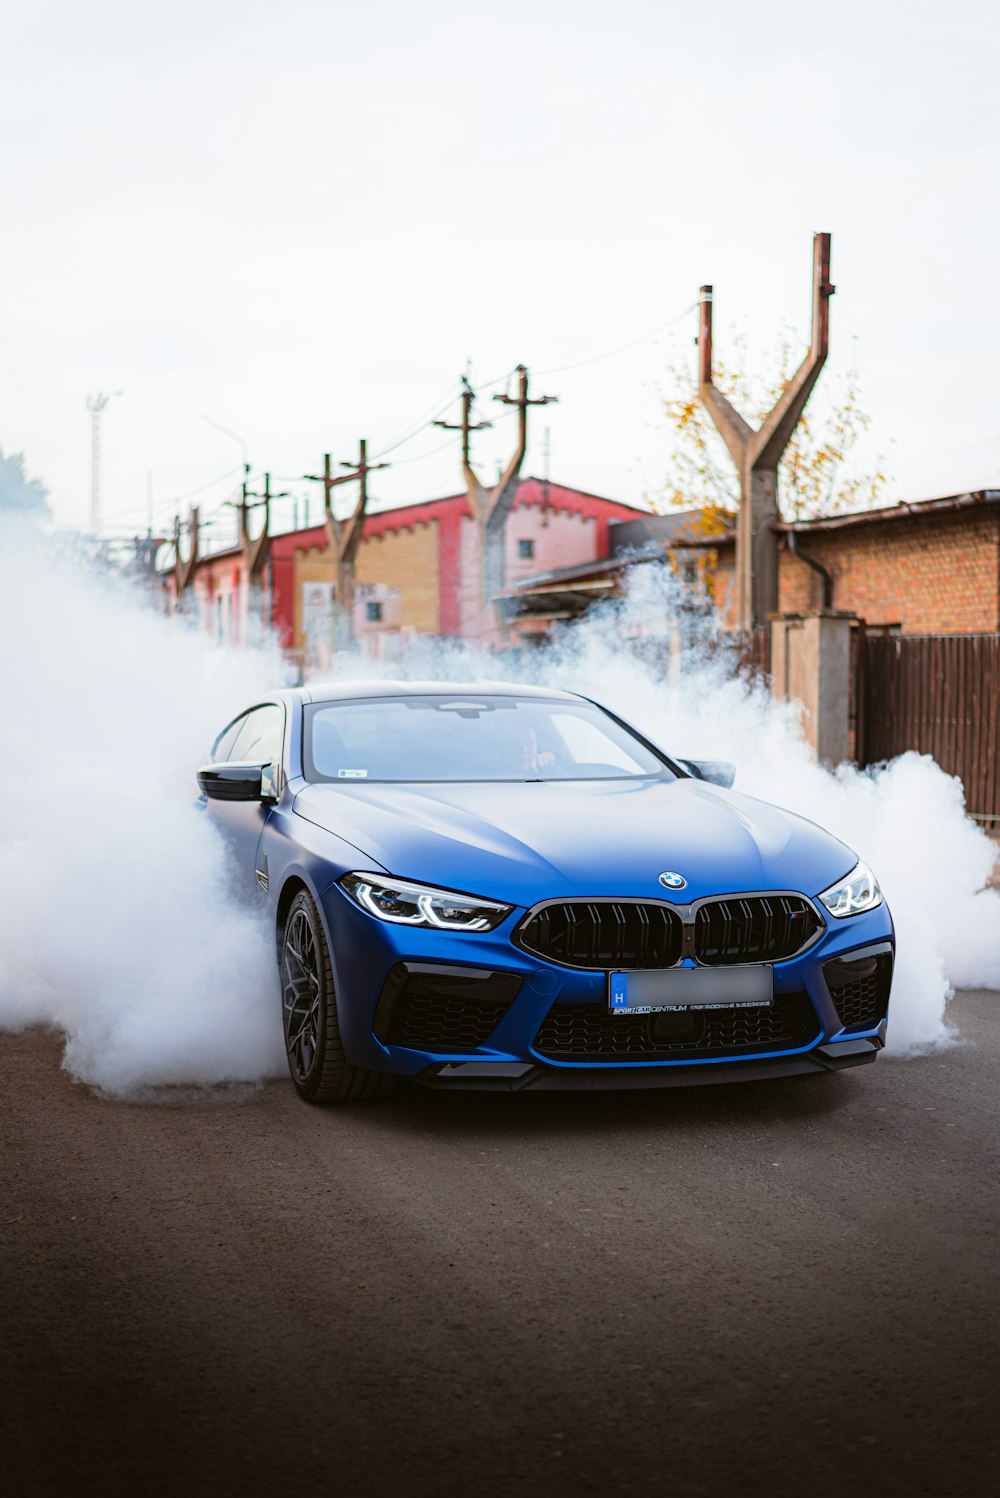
(416, 572)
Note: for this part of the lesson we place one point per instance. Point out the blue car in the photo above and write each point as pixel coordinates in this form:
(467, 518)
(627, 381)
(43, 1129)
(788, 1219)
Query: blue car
(503, 887)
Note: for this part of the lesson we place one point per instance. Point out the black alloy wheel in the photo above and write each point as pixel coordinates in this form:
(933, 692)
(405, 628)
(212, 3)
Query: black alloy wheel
(316, 1060)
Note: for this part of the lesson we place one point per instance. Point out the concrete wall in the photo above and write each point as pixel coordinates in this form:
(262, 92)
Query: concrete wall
(810, 665)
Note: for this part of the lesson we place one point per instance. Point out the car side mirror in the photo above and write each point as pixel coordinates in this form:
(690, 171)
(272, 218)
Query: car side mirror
(239, 781)
(712, 771)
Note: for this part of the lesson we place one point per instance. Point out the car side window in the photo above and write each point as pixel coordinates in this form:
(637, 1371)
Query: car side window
(222, 748)
(261, 735)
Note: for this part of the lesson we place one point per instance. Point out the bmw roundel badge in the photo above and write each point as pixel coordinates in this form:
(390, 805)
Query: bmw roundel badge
(673, 881)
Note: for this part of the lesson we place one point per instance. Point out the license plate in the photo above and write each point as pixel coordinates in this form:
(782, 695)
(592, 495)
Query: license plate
(680, 988)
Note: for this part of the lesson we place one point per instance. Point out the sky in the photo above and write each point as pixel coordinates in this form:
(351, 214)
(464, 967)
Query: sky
(306, 221)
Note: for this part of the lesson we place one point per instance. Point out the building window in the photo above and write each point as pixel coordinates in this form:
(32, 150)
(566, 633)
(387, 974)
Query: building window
(373, 612)
(526, 550)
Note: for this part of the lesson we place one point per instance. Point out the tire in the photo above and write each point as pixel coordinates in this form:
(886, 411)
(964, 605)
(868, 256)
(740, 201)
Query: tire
(319, 1069)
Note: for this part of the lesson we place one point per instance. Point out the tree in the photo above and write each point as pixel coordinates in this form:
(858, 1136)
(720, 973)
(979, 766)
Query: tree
(814, 475)
(19, 494)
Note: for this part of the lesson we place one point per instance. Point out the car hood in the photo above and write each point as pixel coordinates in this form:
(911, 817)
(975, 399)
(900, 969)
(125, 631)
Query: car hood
(525, 842)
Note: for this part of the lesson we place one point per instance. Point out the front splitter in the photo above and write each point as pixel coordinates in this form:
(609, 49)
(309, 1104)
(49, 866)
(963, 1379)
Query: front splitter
(518, 1076)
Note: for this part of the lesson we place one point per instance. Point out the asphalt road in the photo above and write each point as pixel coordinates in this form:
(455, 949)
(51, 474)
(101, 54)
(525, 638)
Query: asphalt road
(787, 1287)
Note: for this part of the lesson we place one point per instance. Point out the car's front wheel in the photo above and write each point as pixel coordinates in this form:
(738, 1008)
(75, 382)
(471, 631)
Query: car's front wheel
(316, 1060)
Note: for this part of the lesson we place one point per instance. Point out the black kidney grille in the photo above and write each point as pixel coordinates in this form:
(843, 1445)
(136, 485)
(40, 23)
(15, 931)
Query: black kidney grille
(587, 1032)
(754, 928)
(633, 934)
(605, 934)
(860, 990)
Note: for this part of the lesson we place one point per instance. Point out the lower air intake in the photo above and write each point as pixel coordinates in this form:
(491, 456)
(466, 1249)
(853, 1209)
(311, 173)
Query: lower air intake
(587, 1032)
(437, 1009)
(860, 989)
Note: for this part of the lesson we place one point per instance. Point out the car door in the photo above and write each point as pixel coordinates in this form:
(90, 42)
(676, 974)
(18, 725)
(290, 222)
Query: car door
(256, 738)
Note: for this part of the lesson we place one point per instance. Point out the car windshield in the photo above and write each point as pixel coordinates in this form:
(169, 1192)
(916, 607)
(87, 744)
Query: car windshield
(466, 738)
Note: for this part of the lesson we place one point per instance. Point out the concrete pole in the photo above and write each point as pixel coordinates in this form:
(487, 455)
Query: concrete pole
(490, 507)
(184, 570)
(756, 454)
(343, 537)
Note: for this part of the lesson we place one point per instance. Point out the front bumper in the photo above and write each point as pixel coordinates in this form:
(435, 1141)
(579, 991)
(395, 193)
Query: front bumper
(514, 1076)
(369, 955)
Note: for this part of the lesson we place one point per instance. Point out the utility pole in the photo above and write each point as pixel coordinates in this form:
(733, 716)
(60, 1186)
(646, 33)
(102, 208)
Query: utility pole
(546, 458)
(465, 425)
(491, 507)
(344, 536)
(96, 405)
(256, 552)
(757, 453)
(184, 570)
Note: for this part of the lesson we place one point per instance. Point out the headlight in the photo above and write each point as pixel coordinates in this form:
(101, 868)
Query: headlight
(406, 904)
(859, 891)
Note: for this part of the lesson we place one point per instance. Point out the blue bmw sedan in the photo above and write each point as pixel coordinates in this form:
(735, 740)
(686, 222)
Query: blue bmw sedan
(504, 887)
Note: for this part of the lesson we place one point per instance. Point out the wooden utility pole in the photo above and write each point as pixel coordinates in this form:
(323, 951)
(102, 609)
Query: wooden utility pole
(492, 506)
(344, 536)
(256, 551)
(466, 424)
(757, 453)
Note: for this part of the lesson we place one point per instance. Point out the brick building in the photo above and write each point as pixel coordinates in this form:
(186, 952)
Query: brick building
(931, 567)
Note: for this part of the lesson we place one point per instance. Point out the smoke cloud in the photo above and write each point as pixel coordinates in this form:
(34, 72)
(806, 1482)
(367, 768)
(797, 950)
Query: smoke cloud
(118, 928)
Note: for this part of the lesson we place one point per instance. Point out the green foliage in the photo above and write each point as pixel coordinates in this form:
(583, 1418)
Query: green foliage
(815, 476)
(18, 493)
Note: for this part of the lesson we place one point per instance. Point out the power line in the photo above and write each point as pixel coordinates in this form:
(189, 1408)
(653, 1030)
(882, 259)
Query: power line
(429, 419)
(622, 348)
(402, 462)
(424, 420)
(178, 499)
(431, 413)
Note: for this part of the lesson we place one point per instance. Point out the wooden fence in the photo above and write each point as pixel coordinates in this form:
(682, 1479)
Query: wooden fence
(939, 694)
(753, 650)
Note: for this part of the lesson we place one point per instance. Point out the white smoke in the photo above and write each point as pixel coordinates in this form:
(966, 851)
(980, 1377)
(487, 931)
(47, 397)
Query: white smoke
(117, 927)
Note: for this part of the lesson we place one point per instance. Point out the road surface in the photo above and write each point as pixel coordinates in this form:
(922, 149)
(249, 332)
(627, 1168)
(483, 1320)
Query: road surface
(787, 1287)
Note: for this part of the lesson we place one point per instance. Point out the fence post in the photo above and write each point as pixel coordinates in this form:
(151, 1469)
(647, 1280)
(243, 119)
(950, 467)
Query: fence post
(811, 666)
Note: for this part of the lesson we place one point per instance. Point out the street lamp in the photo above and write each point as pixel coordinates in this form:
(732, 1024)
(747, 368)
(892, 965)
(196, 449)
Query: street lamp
(227, 433)
(96, 405)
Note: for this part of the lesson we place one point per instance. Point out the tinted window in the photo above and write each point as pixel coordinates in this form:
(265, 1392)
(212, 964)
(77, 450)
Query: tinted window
(227, 738)
(470, 738)
(260, 738)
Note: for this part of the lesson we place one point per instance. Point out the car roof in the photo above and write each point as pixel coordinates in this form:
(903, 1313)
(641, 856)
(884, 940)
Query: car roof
(353, 690)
